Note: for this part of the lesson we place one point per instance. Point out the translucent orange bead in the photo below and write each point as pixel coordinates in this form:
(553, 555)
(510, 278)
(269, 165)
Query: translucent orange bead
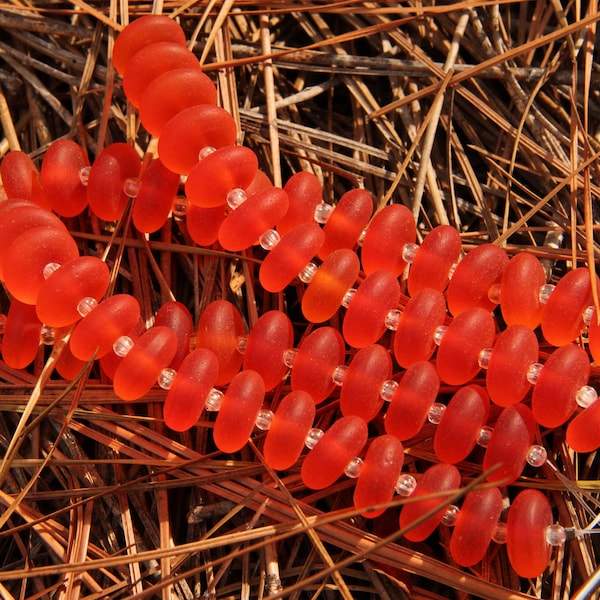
(21, 338)
(239, 408)
(436, 479)
(195, 377)
(326, 462)
(388, 232)
(67, 365)
(203, 223)
(21, 179)
(110, 362)
(583, 432)
(177, 317)
(593, 332)
(305, 193)
(381, 468)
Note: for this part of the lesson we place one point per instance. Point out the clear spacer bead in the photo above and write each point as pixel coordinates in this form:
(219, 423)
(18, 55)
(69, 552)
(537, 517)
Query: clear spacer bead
(354, 467)
(556, 535)
(180, 206)
(47, 335)
(484, 436)
(269, 239)
(439, 333)
(588, 313)
(545, 293)
(166, 377)
(435, 413)
(308, 272)
(483, 360)
(289, 357)
(348, 297)
(405, 485)
(409, 251)
(387, 389)
(236, 197)
(499, 535)
(533, 372)
(241, 343)
(313, 437)
(450, 516)
(131, 186)
(213, 400)
(84, 175)
(338, 374)
(264, 419)
(86, 306)
(122, 346)
(494, 293)
(536, 455)
(392, 319)
(322, 213)
(586, 396)
(206, 151)
(50, 268)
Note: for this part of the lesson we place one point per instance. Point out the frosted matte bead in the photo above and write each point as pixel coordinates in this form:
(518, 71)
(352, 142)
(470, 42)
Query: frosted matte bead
(593, 335)
(481, 268)
(583, 432)
(203, 223)
(177, 317)
(110, 362)
(554, 397)
(340, 443)
(388, 232)
(436, 479)
(433, 260)
(379, 474)
(237, 415)
(67, 365)
(21, 338)
(21, 179)
(305, 193)
(529, 517)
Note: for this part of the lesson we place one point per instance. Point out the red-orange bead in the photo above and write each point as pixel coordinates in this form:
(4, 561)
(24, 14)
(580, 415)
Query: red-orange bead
(583, 432)
(305, 193)
(67, 365)
(177, 317)
(593, 334)
(21, 179)
(203, 223)
(21, 338)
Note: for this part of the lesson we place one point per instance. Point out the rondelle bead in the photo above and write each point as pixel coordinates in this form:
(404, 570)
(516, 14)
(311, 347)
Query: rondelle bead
(21, 179)
(412, 399)
(203, 223)
(177, 317)
(516, 348)
(323, 296)
(554, 396)
(196, 375)
(67, 365)
(379, 474)
(436, 479)
(528, 518)
(21, 338)
(285, 439)
(268, 339)
(414, 337)
(110, 362)
(318, 355)
(305, 193)
(583, 432)
(458, 354)
(237, 414)
(479, 270)
(388, 232)
(520, 286)
(364, 322)
(360, 393)
(138, 371)
(434, 259)
(326, 462)
(562, 319)
(475, 526)
(457, 431)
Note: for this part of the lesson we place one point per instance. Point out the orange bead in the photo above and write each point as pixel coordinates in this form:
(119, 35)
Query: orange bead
(67, 365)
(21, 338)
(177, 317)
(305, 193)
(583, 432)
(203, 223)
(21, 179)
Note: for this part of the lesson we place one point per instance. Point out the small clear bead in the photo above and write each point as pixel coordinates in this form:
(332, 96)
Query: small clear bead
(213, 400)
(409, 251)
(180, 206)
(499, 535)
(348, 297)
(588, 313)
(354, 467)
(494, 293)
(47, 335)
(405, 485)
(86, 306)
(392, 319)
(484, 436)
(312, 437)
(545, 293)
(387, 389)
(236, 197)
(363, 235)
(131, 186)
(338, 374)
(122, 346)
(289, 356)
(206, 151)
(435, 413)
(264, 419)
(84, 175)
(438, 334)
(450, 516)
(307, 274)
(50, 268)
(322, 212)
(166, 377)
(536, 455)
(533, 372)
(269, 239)
(241, 343)
(586, 396)
(556, 535)
(484, 357)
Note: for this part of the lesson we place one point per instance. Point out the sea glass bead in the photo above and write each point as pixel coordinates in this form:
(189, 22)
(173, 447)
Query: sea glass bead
(508, 446)
(412, 399)
(59, 296)
(260, 212)
(285, 440)
(67, 365)
(177, 317)
(326, 462)
(305, 193)
(562, 319)
(479, 270)
(21, 179)
(382, 464)
(583, 432)
(110, 362)
(111, 319)
(323, 296)
(520, 285)
(196, 375)
(458, 354)
(171, 93)
(593, 333)
(144, 31)
(364, 322)
(186, 135)
(369, 368)
(528, 518)
(319, 353)
(475, 526)
(60, 178)
(516, 348)
(112, 167)
(203, 223)
(28, 255)
(388, 232)
(240, 405)
(457, 431)
(436, 479)
(347, 221)
(138, 371)
(291, 254)
(21, 338)
(422, 315)
(215, 176)
(554, 396)
(268, 339)
(434, 259)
